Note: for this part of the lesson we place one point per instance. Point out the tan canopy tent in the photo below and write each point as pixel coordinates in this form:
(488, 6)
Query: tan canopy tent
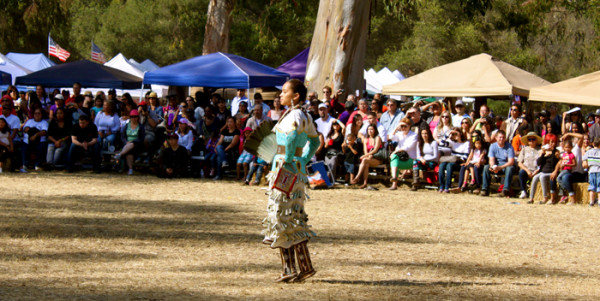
(478, 75)
(582, 90)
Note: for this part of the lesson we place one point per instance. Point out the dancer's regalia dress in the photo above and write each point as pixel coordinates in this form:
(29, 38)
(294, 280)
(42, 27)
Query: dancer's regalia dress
(286, 224)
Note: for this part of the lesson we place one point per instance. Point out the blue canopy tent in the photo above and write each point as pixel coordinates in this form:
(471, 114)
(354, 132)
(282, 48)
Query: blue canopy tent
(88, 73)
(32, 61)
(296, 67)
(5, 78)
(218, 70)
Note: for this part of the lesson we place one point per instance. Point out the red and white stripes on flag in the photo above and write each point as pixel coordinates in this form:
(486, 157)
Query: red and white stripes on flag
(97, 54)
(55, 50)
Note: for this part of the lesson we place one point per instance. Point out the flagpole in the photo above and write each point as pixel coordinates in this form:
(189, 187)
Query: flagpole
(48, 45)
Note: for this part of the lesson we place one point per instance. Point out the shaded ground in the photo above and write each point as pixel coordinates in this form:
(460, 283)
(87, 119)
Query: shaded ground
(113, 237)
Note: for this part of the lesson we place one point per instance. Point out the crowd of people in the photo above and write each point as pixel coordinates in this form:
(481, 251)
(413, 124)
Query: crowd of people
(437, 141)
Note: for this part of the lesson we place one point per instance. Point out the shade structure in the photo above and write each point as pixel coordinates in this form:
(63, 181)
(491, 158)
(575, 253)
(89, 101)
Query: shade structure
(122, 63)
(150, 65)
(5, 78)
(219, 70)
(32, 61)
(88, 73)
(296, 67)
(9, 66)
(581, 90)
(478, 75)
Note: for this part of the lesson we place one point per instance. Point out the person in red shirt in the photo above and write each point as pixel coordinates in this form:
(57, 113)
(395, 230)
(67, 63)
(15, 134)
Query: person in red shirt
(76, 92)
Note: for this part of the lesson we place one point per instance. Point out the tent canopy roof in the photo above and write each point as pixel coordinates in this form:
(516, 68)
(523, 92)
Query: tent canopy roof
(9, 66)
(31, 61)
(220, 70)
(88, 73)
(122, 63)
(150, 65)
(581, 90)
(478, 75)
(296, 67)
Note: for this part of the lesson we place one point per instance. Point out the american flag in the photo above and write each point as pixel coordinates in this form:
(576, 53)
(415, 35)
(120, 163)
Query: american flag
(55, 50)
(97, 54)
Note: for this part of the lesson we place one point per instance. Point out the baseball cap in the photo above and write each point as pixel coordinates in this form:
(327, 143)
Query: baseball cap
(459, 103)
(323, 105)
(134, 112)
(59, 96)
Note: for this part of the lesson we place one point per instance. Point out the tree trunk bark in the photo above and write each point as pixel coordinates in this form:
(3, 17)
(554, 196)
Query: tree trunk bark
(216, 32)
(338, 48)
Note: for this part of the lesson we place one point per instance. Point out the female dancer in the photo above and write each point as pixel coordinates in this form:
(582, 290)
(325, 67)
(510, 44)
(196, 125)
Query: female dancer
(286, 226)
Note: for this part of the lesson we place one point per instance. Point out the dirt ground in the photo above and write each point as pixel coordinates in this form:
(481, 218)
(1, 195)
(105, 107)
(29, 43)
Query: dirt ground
(113, 237)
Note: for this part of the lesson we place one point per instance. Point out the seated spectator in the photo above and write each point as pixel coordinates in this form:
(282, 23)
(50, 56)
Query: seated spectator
(108, 125)
(277, 110)
(186, 136)
(427, 156)
(373, 155)
(527, 160)
(570, 120)
(392, 116)
(6, 146)
(567, 163)
(210, 158)
(259, 103)
(59, 137)
(227, 147)
(441, 134)
(59, 102)
(460, 152)
(349, 108)
(324, 121)
(465, 127)
(84, 139)
(352, 151)
(132, 137)
(76, 109)
(459, 117)
(405, 152)
(501, 160)
(173, 160)
(34, 139)
(363, 109)
(333, 147)
(222, 113)
(149, 120)
(256, 119)
(372, 120)
(516, 141)
(472, 166)
(242, 115)
(97, 108)
(354, 128)
(377, 109)
(548, 159)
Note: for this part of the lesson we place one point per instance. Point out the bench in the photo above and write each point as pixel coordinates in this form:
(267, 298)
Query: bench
(581, 194)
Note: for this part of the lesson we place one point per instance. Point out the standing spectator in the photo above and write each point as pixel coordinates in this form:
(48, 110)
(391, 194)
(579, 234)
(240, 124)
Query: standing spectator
(434, 119)
(392, 116)
(484, 113)
(6, 146)
(547, 161)
(501, 160)
(132, 137)
(245, 158)
(363, 109)
(326, 95)
(325, 120)
(513, 123)
(108, 124)
(577, 174)
(173, 159)
(336, 106)
(34, 138)
(377, 109)
(97, 108)
(13, 123)
(539, 126)
(44, 99)
(59, 102)
(594, 130)
(473, 164)
(235, 103)
(591, 161)
(333, 147)
(569, 121)
(527, 160)
(313, 109)
(222, 113)
(242, 115)
(259, 103)
(149, 120)
(465, 127)
(59, 136)
(352, 151)
(277, 110)
(76, 92)
(567, 163)
(227, 150)
(84, 138)
(418, 124)
(460, 115)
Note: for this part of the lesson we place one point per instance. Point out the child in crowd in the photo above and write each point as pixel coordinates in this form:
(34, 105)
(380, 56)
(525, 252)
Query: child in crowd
(567, 162)
(6, 146)
(210, 158)
(257, 166)
(351, 150)
(591, 161)
(475, 162)
(98, 104)
(245, 157)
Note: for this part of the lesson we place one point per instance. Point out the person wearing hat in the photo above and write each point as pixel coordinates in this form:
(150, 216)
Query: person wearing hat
(325, 120)
(186, 136)
(570, 118)
(173, 160)
(527, 160)
(595, 129)
(59, 102)
(132, 138)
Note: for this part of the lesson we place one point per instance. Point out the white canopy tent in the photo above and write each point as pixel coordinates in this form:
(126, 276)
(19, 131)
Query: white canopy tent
(376, 80)
(9, 66)
(126, 65)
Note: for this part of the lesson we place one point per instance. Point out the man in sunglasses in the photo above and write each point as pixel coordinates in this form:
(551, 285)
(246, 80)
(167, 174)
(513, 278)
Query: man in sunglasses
(501, 160)
(515, 121)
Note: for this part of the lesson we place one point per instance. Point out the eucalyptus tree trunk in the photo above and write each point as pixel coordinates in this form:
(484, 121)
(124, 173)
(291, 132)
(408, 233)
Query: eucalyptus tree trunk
(338, 48)
(216, 32)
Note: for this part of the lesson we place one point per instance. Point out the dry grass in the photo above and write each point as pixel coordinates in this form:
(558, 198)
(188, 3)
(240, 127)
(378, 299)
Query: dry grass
(87, 236)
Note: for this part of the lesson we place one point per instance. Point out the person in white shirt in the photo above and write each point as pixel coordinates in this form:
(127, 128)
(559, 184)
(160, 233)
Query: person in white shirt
(459, 107)
(325, 121)
(235, 103)
(34, 138)
(407, 141)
